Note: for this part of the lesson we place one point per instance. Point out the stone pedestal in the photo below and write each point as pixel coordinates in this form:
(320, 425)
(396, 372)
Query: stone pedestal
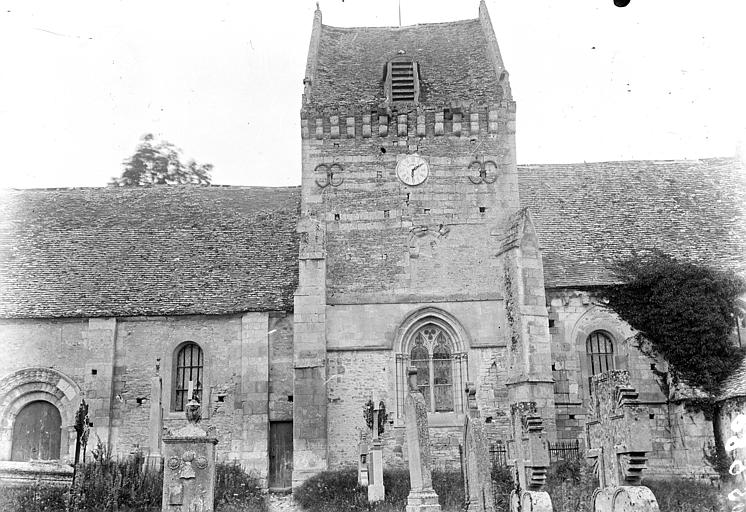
(376, 491)
(189, 472)
(421, 497)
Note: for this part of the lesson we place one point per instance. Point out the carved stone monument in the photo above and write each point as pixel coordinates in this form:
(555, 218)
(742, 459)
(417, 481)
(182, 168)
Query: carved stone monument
(530, 459)
(619, 439)
(476, 463)
(376, 491)
(422, 497)
(189, 473)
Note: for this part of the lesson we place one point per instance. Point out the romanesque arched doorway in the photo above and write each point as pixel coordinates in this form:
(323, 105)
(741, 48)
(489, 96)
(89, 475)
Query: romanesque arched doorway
(36, 432)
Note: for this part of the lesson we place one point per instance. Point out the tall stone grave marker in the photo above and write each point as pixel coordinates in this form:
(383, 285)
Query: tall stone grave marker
(376, 490)
(422, 497)
(154, 459)
(531, 459)
(189, 475)
(476, 462)
(619, 439)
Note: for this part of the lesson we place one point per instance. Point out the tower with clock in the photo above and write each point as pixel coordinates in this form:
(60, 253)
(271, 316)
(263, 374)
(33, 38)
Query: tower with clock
(413, 248)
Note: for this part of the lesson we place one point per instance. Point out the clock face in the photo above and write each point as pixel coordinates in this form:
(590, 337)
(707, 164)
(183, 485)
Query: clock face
(412, 170)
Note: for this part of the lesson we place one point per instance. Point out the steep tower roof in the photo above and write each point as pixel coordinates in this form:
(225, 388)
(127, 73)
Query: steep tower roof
(459, 62)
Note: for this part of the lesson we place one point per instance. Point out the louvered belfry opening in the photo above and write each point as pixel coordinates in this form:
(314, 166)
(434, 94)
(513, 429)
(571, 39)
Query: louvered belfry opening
(403, 80)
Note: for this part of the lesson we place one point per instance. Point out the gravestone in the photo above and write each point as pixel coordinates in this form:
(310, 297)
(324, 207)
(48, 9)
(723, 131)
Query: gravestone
(422, 497)
(153, 460)
(189, 473)
(362, 464)
(619, 440)
(376, 491)
(530, 459)
(476, 462)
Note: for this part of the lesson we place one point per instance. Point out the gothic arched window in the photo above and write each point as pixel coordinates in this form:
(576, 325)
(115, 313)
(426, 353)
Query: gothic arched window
(188, 367)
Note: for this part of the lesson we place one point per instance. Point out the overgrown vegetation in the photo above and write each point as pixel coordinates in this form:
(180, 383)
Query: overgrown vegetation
(685, 495)
(111, 485)
(332, 491)
(570, 484)
(686, 311)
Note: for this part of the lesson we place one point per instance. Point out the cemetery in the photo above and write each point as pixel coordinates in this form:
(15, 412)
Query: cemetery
(423, 325)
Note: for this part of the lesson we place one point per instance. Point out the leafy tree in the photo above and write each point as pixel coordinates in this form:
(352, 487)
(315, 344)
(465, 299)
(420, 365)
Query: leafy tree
(687, 313)
(159, 163)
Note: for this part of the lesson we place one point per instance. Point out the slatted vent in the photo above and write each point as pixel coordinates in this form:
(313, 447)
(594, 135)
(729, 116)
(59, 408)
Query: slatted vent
(403, 81)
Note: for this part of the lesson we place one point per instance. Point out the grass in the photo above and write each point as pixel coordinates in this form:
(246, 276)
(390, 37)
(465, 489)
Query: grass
(332, 491)
(124, 485)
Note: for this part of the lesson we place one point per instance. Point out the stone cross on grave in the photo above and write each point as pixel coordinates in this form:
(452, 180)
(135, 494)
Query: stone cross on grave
(376, 491)
(530, 455)
(619, 440)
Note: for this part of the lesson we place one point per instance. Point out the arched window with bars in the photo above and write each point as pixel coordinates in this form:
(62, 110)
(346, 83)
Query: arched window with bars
(599, 350)
(188, 367)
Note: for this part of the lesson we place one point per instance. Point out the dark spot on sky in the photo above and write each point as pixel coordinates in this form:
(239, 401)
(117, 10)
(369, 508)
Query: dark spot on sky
(621, 3)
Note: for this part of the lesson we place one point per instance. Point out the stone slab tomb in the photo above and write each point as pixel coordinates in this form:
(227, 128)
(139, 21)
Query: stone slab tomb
(619, 441)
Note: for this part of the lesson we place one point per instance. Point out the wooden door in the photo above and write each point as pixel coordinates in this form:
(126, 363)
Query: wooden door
(280, 454)
(36, 432)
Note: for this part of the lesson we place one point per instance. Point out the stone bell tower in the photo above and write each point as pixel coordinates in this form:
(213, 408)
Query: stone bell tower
(409, 218)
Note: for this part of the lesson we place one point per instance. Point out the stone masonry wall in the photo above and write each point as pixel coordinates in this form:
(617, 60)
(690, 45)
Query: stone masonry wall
(355, 375)
(112, 361)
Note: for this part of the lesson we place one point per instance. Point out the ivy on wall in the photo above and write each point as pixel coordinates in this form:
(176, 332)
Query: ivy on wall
(685, 310)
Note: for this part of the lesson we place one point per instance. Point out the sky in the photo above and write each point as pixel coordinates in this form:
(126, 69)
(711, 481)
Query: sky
(82, 81)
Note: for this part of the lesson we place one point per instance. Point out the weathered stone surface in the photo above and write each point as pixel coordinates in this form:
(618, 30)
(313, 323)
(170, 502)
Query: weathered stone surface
(23, 474)
(476, 463)
(421, 497)
(531, 459)
(619, 441)
(189, 469)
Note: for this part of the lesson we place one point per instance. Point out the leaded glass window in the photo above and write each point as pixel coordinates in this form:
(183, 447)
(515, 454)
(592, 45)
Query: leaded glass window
(432, 357)
(189, 368)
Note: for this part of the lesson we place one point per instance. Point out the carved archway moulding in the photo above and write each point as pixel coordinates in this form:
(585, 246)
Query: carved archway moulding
(29, 385)
(431, 315)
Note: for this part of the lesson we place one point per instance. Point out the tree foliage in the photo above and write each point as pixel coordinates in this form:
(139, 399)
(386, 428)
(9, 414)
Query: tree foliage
(686, 311)
(159, 163)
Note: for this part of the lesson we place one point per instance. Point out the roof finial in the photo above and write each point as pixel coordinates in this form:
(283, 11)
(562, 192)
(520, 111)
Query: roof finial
(318, 8)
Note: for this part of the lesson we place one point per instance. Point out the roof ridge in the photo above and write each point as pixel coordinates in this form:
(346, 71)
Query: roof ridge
(416, 25)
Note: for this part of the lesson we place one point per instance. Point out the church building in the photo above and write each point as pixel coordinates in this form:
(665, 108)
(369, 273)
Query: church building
(414, 239)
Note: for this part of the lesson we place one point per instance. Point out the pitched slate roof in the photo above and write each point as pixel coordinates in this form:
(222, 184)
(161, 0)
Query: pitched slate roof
(147, 251)
(453, 61)
(589, 214)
